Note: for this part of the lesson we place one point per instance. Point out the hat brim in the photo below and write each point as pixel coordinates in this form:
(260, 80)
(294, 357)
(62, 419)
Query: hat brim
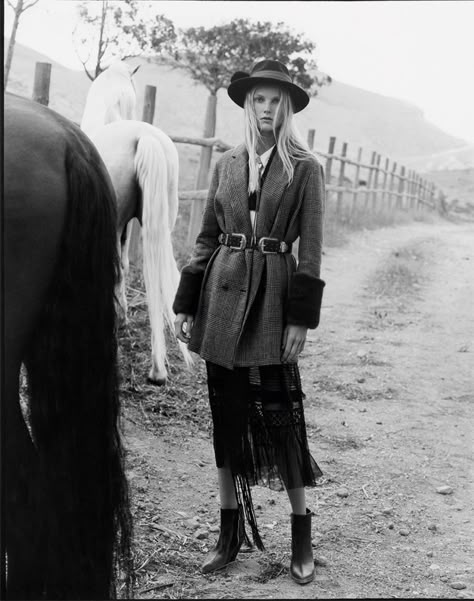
(238, 89)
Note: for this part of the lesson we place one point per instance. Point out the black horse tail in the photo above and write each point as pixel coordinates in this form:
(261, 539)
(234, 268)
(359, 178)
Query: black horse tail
(73, 382)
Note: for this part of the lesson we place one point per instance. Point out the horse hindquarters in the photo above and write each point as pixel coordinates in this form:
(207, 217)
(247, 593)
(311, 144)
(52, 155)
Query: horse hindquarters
(86, 506)
(80, 491)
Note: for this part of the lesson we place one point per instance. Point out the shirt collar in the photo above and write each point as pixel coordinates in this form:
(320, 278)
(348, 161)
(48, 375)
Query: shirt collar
(266, 155)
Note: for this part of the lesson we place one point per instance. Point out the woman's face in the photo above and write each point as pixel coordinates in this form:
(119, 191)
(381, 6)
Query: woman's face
(265, 100)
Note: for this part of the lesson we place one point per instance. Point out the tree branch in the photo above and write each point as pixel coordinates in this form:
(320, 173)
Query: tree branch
(32, 3)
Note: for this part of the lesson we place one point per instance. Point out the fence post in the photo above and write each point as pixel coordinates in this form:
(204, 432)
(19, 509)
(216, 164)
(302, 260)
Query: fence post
(384, 184)
(392, 179)
(332, 143)
(41, 83)
(149, 104)
(340, 182)
(356, 180)
(410, 186)
(197, 206)
(401, 188)
(311, 138)
(369, 178)
(376, 183)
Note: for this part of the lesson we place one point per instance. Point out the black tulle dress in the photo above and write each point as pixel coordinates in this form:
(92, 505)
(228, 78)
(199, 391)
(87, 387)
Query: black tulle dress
(259, 430)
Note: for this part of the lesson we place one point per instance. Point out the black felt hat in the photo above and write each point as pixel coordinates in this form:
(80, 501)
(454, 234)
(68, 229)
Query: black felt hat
(266, 72)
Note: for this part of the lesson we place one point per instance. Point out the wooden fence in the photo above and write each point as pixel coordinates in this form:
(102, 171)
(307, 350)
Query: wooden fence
(352, 184)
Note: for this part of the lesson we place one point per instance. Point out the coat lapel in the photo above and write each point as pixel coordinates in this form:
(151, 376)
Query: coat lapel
(237, 189)
(272, 192)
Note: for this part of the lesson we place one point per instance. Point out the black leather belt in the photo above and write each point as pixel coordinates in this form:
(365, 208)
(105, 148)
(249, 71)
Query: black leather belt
(267, 246)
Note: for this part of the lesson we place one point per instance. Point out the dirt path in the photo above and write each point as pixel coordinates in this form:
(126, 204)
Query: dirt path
(389, 382)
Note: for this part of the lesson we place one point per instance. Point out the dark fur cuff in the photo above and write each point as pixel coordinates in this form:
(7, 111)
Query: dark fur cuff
(304, 301)
(187, 296)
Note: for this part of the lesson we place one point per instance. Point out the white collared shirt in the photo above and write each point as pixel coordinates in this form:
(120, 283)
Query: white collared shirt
(264, 158)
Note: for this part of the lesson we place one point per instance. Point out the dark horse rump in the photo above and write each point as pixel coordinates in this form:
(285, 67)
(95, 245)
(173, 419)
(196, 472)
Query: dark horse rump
(67, 524)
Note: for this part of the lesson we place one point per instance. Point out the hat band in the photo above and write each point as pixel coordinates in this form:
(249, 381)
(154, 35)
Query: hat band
(272, 75)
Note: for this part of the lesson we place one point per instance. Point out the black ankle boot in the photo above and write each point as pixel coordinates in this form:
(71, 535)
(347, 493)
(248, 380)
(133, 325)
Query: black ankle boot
(231, 537)
(302, 561)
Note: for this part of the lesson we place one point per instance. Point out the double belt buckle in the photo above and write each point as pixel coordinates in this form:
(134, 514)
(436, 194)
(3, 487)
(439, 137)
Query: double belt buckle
(271, 246)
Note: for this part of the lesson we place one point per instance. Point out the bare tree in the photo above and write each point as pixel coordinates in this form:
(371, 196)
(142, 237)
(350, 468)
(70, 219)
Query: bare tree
(109, 29)
(19, 8)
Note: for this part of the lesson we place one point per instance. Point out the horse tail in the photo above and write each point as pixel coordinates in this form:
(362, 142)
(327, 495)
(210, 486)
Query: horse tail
(160, 271)
(74, 397)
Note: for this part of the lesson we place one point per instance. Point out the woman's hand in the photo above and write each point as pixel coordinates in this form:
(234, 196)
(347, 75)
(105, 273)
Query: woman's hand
(183, 324)
(294, 338)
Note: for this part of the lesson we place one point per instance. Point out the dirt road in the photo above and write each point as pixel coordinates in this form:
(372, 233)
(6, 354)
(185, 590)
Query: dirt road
(389, 404)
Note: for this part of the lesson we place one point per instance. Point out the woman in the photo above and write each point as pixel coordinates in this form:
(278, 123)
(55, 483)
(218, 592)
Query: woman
(245, 305)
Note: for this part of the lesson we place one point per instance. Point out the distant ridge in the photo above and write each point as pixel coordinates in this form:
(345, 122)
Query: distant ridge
(389, 126)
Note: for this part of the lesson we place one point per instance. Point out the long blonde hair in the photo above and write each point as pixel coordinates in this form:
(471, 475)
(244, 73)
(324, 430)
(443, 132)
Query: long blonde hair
(290, 144)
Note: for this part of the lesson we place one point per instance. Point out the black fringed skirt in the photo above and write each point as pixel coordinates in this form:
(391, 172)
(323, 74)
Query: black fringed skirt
(259, 430)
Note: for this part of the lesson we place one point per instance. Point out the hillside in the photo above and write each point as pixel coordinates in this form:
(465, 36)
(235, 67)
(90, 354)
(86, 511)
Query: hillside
(391, 127)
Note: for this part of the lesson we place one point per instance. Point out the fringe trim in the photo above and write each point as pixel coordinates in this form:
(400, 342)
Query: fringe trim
(244, 499)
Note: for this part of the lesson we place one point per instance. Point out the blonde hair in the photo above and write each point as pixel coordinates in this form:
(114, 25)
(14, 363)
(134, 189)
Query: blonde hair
(290, 144)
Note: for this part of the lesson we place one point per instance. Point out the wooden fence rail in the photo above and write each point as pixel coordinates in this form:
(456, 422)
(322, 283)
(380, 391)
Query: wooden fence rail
(388, 187)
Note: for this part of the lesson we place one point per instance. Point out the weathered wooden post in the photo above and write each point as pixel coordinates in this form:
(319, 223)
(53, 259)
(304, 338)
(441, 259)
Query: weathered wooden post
(197, 206)
(356, 180)
(391, 186)
(340, 181)
(328, 166)
(149, 104)
(376, 183)
(41, 83)
(401, 188)
(369, 178)
(384, 184)
(410, 186)
(311, 138)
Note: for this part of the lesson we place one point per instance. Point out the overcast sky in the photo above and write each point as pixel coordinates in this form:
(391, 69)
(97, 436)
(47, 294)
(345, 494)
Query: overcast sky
(416, 50)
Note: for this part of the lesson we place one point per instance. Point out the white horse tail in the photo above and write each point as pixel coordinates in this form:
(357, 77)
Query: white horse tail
(160, 271)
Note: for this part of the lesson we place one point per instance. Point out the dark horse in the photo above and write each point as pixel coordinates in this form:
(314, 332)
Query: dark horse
(66, 531)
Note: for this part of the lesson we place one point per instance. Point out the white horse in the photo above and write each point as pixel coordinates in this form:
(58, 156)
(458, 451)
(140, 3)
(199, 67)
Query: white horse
(143, 165)
(111, 97)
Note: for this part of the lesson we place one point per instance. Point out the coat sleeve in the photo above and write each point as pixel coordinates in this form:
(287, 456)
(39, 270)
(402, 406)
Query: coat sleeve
(189, 288)
(306, 286)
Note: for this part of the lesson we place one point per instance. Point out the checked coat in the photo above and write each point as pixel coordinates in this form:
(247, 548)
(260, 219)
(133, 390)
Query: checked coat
(241, 300)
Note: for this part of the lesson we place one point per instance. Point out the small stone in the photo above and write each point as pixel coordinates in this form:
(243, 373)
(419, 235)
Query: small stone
(457, 584)
(214, 528)
(429, 554)
(404, 532)
(444, 578)
(444, 490)
(387, 510)
(321, 561)
(391, 526)
(193, 522)
(342, 492)
(432, 527)
(434, 567)
(200, 534)
(363, 410)
(361, 380)
(379, 423)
